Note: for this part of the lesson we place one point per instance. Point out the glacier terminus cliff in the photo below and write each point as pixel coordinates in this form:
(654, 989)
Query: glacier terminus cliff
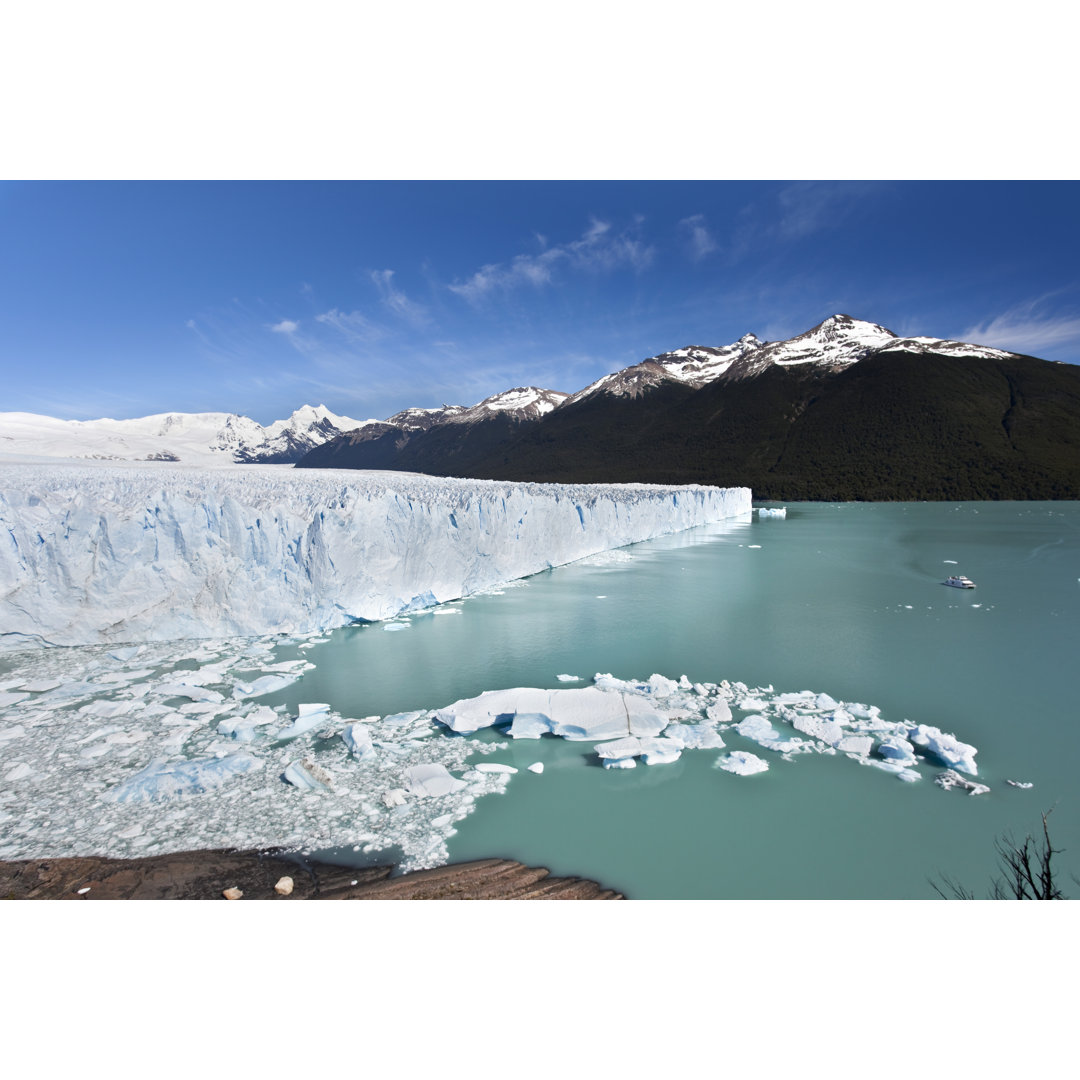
(115, 553)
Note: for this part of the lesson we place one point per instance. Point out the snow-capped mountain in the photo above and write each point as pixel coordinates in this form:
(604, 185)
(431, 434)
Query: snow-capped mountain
(833, 345)
(187, 438)
(694, 365)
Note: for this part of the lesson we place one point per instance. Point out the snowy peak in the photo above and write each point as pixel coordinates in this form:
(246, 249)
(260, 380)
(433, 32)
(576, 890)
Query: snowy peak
(693, 365)
(835, 343)
(520, 403)
(187, 438)
(421, 419)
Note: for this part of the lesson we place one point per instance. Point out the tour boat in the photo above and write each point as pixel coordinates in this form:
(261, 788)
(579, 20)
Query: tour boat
(958, 581)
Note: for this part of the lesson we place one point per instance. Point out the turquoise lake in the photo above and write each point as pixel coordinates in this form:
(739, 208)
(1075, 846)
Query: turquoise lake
(844, 599)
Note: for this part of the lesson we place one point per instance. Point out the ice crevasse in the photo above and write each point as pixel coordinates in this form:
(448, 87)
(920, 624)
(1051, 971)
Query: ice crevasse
(103, 554)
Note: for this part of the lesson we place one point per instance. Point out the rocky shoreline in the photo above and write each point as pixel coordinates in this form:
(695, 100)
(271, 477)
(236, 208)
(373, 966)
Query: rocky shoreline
(208, 875)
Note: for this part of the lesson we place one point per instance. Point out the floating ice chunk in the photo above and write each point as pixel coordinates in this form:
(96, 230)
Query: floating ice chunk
(802, 697)
(823, 701)
(946, 747)
(163, 779)
(741, 763)
(950, 779)
(306, 776)
(191, 691)
(20, 772)
(310, 716)
(694, 736)
(662, 686)
(357, 737)
(494, 767)
(393, 798)
(756, 728)
(537, 767)
(242, 728)
(643, 718)
(894, 748)
(659, 751)
(719, 712)
(860, 745)
(828, 731)
(620, 763)
(586, 714)
(107, 709)
(396, 626)
(1020, 783)
(266, 684)
(16, 732)
(772, 512)
(952, 561)
(12, 698)
(431, 781)
(568, 678)
(619, 748)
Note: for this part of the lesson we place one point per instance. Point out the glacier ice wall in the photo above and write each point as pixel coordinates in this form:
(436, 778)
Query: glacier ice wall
(95, 555)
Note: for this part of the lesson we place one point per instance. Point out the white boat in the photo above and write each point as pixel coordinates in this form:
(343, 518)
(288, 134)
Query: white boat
(958, 581)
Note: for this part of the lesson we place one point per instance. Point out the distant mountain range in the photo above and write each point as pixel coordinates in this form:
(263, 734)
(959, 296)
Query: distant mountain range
(187, 438)
(847, 410)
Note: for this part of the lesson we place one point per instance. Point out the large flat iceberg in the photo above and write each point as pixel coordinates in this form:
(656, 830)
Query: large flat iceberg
(96, 555)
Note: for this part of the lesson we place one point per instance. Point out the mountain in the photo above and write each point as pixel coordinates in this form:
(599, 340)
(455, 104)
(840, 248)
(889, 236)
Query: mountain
(188, 438)
(846, 410)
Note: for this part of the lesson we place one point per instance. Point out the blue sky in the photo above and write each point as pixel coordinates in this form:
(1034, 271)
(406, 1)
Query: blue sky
(128, 298)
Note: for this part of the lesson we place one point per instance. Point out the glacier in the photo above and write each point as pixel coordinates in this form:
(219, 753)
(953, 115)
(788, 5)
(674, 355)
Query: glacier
(125, 553)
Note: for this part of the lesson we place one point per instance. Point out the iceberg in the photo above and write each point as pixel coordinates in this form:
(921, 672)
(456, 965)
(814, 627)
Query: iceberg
(111, 554)
(588, 714)
(947, 748)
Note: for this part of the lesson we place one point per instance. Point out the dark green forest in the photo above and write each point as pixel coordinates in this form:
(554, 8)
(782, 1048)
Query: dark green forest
(894, 426)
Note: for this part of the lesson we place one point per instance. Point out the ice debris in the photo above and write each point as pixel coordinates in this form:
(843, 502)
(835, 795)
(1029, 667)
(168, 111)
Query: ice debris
(950, 779)
(1025, 784)
(163, 779)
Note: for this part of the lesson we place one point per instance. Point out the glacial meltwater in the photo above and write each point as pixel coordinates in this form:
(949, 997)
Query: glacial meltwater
(842, 600)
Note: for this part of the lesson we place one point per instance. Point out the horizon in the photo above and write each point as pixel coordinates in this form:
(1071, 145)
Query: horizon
(129, 299)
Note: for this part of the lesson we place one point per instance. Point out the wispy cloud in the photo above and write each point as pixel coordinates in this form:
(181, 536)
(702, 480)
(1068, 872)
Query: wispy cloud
(286, 326)
(395, 300)
(798, 210)
(351, 325)
(699, 238)
(599, 249)
(1027, 328)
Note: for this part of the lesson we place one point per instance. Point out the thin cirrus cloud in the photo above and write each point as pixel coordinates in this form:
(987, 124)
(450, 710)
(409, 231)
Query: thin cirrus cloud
(1026, 328)
(395, 300)
(599, 248)
(698, 236)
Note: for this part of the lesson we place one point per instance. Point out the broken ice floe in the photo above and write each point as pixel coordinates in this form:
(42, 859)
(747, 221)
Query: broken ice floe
(156, 752)
(772, 512)
(1025, 784)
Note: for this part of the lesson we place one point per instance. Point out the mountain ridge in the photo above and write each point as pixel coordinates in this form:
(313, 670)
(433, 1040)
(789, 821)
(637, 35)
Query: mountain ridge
(847, 410)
